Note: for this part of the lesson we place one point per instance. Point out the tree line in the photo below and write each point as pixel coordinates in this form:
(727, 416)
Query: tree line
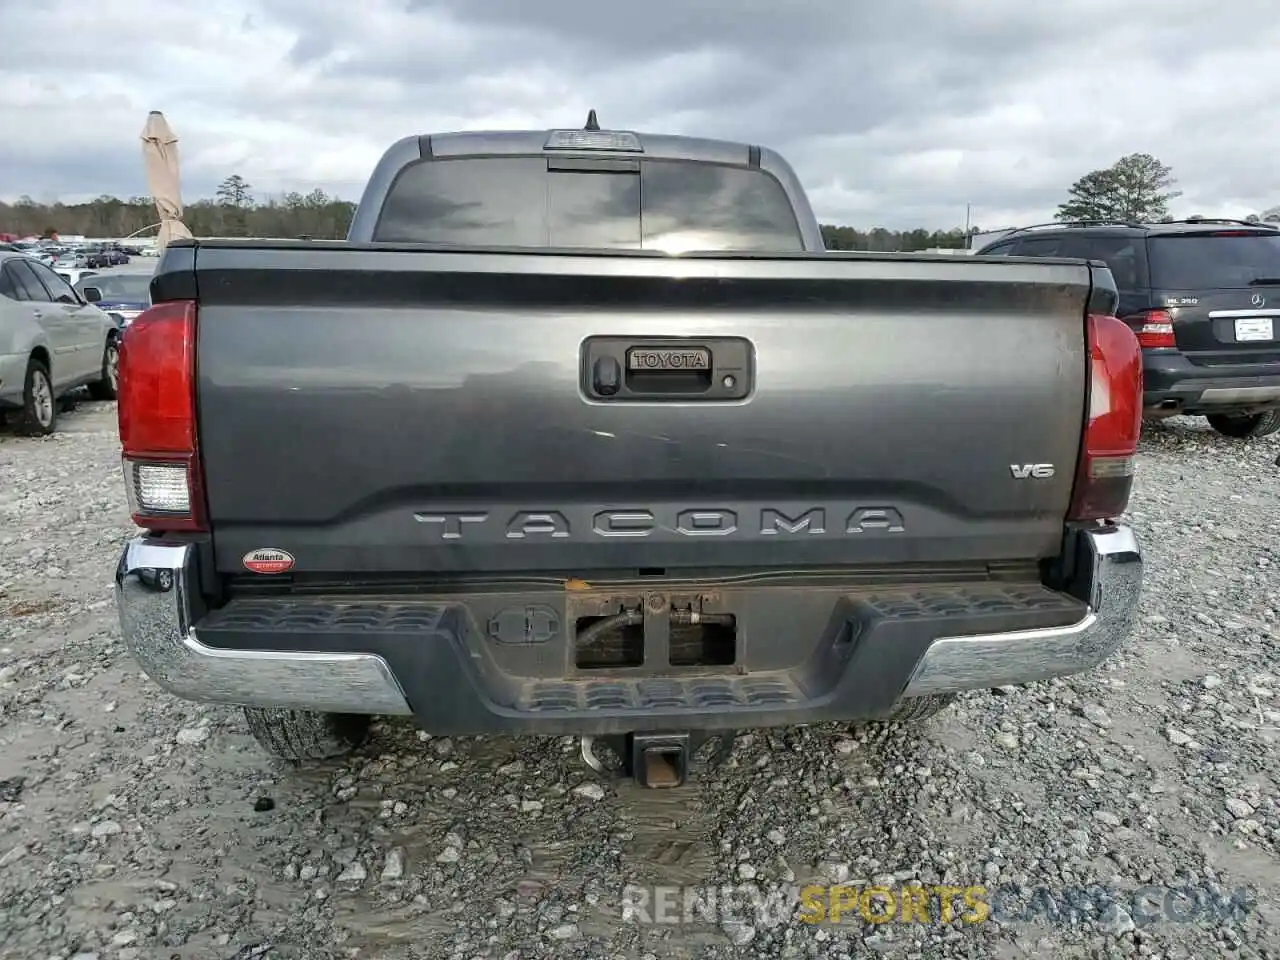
(1137, 187)
(235, 212)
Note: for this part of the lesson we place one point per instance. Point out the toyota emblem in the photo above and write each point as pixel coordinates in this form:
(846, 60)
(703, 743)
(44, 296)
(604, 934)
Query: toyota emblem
(1258, 300)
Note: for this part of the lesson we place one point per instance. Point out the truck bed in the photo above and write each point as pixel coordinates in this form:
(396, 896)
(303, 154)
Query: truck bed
(383, 411)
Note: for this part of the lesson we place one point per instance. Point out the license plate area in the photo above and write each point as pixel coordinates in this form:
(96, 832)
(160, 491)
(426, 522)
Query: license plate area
(635, 369)
(653, 632)
(1254, 329)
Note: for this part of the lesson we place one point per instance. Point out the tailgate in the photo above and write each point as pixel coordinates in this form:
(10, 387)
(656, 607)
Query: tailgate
(1222, 288)
(374, 410)
(1226, 327)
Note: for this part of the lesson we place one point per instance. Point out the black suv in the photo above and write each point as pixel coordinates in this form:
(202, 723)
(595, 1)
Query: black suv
(1203, 297)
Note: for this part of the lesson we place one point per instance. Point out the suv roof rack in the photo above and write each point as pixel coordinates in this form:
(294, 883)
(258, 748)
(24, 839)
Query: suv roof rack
(1139, 225)
(1068, 224)
(1233, 220)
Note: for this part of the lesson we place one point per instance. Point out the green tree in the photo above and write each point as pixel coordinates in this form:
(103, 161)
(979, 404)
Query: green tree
(235, 191)
(236, 196)
(1136, 188)
(1271, 216)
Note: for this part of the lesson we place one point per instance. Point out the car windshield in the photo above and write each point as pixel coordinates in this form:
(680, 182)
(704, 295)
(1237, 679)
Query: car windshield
(1207, 261)
(132, 287)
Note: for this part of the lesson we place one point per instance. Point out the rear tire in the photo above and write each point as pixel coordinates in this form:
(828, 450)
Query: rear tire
(306, 735)
(39, 406)
(915, 709)
(1245, 426)
(106, 387)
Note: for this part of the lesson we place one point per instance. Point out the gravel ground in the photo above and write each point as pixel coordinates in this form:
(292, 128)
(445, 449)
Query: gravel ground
(134, 825)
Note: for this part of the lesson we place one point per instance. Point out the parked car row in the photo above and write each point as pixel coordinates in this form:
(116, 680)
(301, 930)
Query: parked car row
(53, 340)
(1203, 296)
(78, 256)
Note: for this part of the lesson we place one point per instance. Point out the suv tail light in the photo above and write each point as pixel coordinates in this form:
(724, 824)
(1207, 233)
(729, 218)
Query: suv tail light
(1154, 329)
(1105, 474)
(157, 412)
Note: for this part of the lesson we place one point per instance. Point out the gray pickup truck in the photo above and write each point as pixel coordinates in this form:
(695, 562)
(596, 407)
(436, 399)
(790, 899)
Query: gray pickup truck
(583, 433)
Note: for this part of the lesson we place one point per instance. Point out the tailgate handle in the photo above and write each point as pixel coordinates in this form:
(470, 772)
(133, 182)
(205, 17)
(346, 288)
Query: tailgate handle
(668, 368)
(606, 377)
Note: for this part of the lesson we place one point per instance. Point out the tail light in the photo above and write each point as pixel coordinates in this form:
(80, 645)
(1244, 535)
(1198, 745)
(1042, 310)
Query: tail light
(157, 410)
(1110, 447)
(1154, 329)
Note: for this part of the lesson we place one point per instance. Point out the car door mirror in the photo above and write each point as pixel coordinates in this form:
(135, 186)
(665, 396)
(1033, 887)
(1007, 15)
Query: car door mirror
(91, 294)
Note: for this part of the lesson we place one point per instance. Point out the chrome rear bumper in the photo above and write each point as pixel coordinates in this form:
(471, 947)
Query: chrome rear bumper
(160, 607)
(1114, 579)
(158, 601)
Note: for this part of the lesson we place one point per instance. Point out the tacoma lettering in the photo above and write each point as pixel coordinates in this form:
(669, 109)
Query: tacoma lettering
(706, 523)
(772, 522)
(451, 523)
(623, 523)
(545, 523)
(640, 522)
(875, 520)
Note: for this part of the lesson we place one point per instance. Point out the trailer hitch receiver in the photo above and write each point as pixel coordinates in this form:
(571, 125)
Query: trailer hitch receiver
(659, 761)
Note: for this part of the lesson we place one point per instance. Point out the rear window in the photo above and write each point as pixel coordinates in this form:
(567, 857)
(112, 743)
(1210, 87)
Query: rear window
(1122, 254)
(119, 286)
(1213, 261)
(532, 202)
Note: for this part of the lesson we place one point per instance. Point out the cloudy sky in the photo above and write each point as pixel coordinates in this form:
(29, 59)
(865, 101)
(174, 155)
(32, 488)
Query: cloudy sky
(894, 112)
